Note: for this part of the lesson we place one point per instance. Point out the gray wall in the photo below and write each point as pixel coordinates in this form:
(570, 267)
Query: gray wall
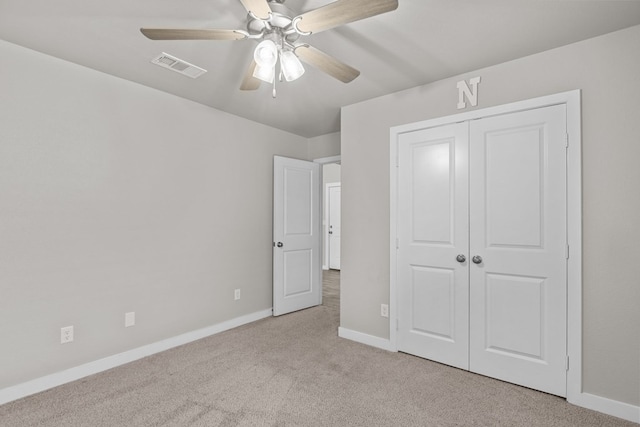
(324, 146)
(115, 197)
(331, 173)
(606, 69)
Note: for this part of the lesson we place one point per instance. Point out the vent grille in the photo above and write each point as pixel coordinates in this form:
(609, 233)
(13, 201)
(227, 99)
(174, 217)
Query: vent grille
(178, 65)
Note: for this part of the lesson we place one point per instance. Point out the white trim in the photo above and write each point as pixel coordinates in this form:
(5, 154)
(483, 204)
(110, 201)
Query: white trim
(393, 246)
(72, 374)
(543, 101)
(574, 240)
(607, 406)
(574, 217)
(327, 160)
(367, 339)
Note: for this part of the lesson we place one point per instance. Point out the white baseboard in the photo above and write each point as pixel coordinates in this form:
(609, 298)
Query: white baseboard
(590, 401)
(367, 339)
(607, 406)
(49, 381)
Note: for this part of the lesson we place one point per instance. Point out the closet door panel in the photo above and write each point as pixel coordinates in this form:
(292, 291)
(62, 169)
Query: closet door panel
(518, 229)
(433, 229)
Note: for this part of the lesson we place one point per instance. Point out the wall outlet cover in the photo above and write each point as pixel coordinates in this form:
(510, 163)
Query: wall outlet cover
(384, 310)
(66, 334)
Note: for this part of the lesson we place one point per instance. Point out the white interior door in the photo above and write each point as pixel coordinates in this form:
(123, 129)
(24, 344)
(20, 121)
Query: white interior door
(432, 227)
(297, 255)
(518, 227)
(494, 191)
(334, 226)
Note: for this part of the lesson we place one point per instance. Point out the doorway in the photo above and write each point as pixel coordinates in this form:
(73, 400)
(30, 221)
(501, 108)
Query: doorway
(298, 231)
(332, 190)
(331, 231)
(297, 274)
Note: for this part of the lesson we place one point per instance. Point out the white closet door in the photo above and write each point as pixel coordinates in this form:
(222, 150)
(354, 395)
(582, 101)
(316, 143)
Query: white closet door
(433, 230)
(518, 227)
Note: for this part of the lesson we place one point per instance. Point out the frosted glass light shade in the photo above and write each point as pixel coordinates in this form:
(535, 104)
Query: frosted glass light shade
(266, 74)
(291, 66)
(266, 54)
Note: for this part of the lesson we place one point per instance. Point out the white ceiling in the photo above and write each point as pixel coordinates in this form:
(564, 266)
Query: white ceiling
(421, 42)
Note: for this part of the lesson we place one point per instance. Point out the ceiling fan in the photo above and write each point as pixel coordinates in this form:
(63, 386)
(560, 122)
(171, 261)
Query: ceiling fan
(270, 23)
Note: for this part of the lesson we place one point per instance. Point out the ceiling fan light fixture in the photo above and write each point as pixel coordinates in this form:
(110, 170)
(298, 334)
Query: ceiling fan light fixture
(266, 54)
(291, 66)
(266, 74)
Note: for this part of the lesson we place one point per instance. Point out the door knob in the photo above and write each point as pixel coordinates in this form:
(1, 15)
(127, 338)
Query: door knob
(461, 258)
(477, 259)
(279, 244)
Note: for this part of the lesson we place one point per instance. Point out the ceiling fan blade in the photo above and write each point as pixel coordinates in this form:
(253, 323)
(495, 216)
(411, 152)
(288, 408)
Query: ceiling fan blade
(184, 34)
(249, 82)
(341, 12)
(259, 8)
(326, 63)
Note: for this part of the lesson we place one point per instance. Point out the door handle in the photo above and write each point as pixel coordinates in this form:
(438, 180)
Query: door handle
(461, 258)
(279, 244)
(477, 259)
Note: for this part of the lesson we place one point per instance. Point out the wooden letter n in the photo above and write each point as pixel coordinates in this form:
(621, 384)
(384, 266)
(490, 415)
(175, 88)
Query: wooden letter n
(470, 93)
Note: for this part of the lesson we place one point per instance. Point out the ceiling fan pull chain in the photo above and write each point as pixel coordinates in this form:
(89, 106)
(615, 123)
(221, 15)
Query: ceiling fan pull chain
(274, 88)
(280, 50)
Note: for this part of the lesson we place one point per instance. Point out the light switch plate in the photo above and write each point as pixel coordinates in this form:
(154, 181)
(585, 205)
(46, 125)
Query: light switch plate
(129, 319)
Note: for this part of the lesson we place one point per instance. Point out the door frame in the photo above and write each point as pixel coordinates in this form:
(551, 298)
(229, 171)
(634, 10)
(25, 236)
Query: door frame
(571, 100)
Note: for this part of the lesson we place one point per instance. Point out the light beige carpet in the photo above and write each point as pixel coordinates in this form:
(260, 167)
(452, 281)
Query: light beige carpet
(292, 371)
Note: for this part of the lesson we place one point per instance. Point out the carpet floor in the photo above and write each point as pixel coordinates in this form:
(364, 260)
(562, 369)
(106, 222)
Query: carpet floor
(293, 370)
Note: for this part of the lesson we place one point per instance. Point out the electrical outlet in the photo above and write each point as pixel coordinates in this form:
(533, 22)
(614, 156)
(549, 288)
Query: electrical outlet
(66, 334)
(129, 319)
(384, 310)
(236, 294)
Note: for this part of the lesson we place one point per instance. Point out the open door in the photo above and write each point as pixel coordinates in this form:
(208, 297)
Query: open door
(334, 225)
(296, 235)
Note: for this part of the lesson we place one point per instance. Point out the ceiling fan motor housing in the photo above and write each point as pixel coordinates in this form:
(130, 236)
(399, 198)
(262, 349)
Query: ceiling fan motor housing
(279, 22)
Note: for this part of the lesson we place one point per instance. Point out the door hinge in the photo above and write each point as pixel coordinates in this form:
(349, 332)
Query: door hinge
(567, 363)
(567, 251)
(566, 140)
(397, 243)
(397, 324)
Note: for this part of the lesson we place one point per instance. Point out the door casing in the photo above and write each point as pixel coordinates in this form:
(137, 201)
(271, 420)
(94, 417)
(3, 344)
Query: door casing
(574, 218)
